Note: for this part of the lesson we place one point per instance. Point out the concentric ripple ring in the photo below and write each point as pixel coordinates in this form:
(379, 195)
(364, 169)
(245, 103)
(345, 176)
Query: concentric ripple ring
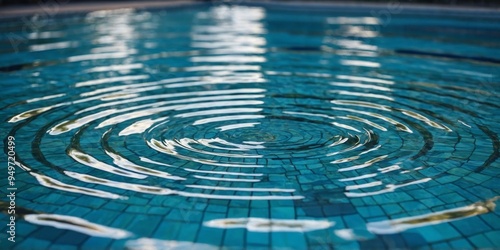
(239, 126)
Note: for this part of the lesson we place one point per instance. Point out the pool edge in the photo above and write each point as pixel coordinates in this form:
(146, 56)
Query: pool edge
(68, 7)
(48, 9)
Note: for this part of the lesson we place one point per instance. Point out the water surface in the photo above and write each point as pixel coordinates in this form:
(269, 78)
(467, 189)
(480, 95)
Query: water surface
(237, 126)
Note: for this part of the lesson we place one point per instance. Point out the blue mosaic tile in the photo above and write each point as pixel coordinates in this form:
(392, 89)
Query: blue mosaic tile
(432, 202)
(313, 211)
(376, 243)
(41, 244)
(92, 204)
(442, 245)
(211, 237)
(464, 226)
(95, 242)
(370, 211)
(447, 179)
(122, 221)
(482, 192)
(413, 206)
(451, 198)
(439, 232)
(115, 206)
(480, 241)
(414, 240)
(460, 244)
(282, 212)
(168, 230)
(49, 233)
(354, 221)
(258, 239)
(235, 237)
(392, 198)
(259, 212)
(346, 246)
(237, 212)
(145, 224)
(136, 209)
(73, 239)
(338, 209)
(493, 237)
(442, 189)
(23, 226)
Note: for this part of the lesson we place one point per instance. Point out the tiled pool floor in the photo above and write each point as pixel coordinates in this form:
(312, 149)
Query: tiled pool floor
(261, 127)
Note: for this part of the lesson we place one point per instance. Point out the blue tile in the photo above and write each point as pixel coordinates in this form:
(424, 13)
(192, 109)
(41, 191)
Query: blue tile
(442, 189)
(460, 244)
(237, 212)
(24, 227)
(47, 233)
(447, 179)
(71, 238)
(259, 212)
(432, 202)
(137, 209)
(343, 246)
(262, 239)
(297, 240)
(482, 192)
(145, 224)
(313, 211)
(412, 206)
(375, 243)
(480, 241)
(63, 247)
(354, 221)
(33, 243)
(471, 226)
(370, 211)
(338, 209)
(122, 221)
(90, 202)
(71, 209)
(283, 212)
(93, 243)
(168, 230)
(115, 206)
(55, 198)
(451, 198)
(494, 237)
(413, 240)
(279, 240)
(392, 209)
(389, 198)
(492, 219)
(210, 236)
(442, 245)
(439, 232)
(235, 238)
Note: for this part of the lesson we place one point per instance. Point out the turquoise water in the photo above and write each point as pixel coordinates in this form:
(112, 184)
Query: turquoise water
(250, 127)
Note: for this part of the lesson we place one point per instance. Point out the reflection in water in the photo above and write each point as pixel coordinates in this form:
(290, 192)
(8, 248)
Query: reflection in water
(58, 185)
(239, 112)
(76, 224)
(155, 244)
(90, 161)
(399, 225)
(270, 225)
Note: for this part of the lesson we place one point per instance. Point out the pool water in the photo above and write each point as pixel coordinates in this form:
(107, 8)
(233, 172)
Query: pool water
(232, 126)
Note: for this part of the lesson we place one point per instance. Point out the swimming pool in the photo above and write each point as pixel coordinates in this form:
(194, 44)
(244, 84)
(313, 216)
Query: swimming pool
(238, 126)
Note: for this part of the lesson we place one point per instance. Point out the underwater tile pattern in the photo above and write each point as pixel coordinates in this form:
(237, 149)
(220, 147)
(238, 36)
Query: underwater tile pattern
(231, 127)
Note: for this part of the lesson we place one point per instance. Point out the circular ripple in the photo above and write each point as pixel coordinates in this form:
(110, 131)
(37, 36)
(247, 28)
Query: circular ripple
(228, 113)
